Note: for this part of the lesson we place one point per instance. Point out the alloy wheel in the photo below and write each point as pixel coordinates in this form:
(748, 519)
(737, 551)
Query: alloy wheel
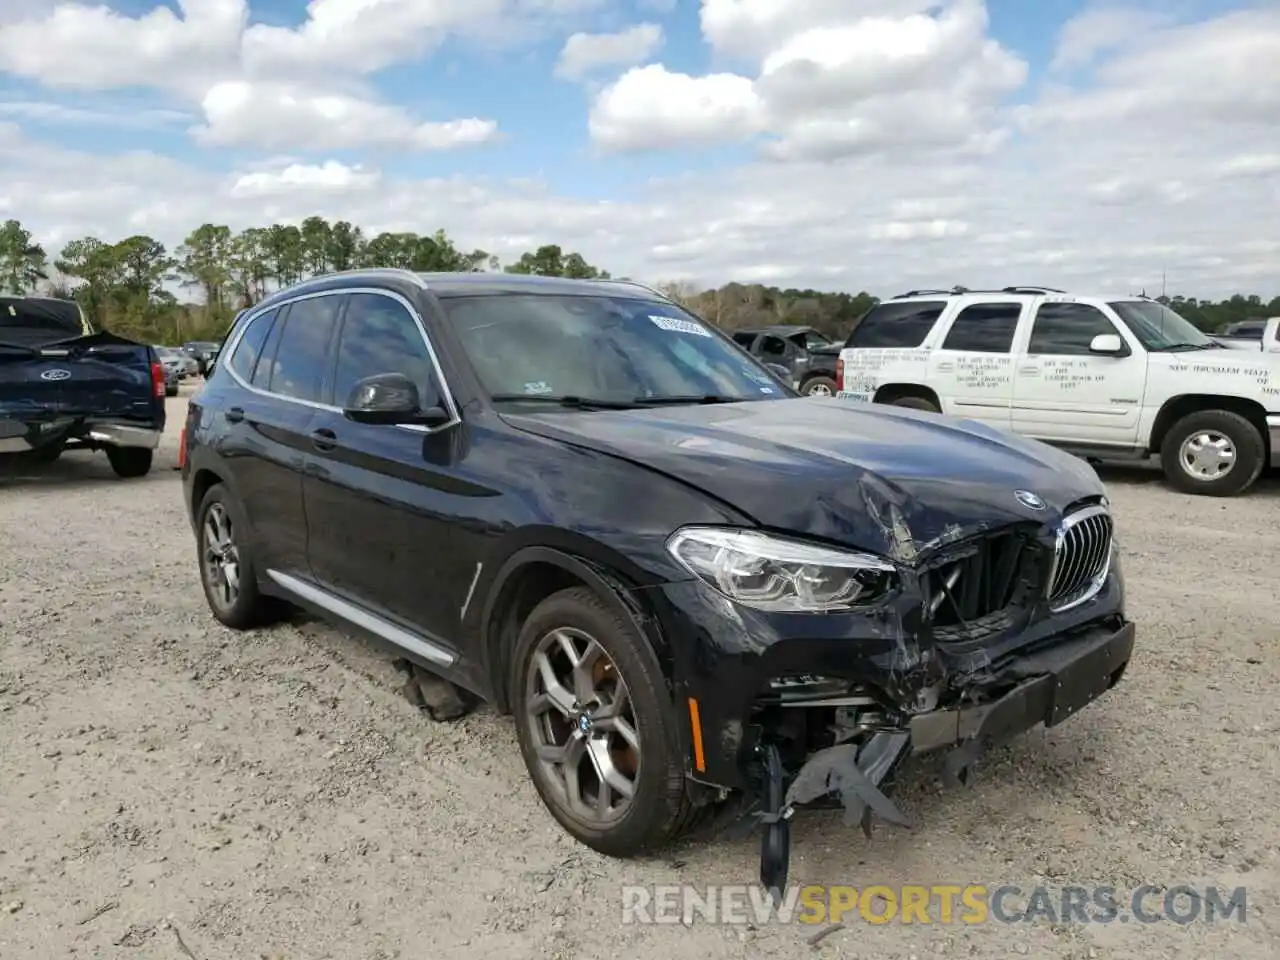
(583, 726)
(1207, 455)
(221, 557)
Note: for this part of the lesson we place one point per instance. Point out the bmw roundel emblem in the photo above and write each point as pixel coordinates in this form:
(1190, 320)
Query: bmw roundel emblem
(1029, 500)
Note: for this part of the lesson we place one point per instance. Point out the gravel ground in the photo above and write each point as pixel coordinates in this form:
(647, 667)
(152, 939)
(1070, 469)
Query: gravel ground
(169, 788)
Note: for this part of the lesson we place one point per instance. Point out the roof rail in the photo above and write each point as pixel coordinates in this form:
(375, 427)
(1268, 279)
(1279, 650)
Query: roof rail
(385, 272)
(643, 286)
(931, 293)
(1031, 288)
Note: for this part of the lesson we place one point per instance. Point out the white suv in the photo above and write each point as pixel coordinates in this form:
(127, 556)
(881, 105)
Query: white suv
(1104, 377)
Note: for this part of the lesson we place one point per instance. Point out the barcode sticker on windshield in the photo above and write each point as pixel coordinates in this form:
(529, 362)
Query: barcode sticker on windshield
(679, 326)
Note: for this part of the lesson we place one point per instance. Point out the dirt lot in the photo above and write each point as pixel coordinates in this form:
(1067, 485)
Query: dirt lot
(169, 788)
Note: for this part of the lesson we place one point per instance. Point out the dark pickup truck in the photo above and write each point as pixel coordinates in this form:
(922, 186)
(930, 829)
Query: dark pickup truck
(64, 386)
(808, 356)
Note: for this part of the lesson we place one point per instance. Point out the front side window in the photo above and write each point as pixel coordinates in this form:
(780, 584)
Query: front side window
(380, 336)
(896, 325)
(303, 352)
(773, 348)
(615, 349)
(1067, 329)
(984, 328)
(249, 349)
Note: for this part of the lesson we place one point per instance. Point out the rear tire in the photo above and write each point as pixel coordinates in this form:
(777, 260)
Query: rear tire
(227, 570)
(915, 403)
(659, 808)
(819, 387)
(130, 462)
(1213, 453)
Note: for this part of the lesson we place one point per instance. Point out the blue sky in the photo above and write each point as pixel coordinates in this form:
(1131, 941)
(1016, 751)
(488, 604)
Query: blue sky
(868, 103)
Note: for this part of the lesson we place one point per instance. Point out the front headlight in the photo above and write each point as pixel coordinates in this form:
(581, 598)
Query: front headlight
(772, 573)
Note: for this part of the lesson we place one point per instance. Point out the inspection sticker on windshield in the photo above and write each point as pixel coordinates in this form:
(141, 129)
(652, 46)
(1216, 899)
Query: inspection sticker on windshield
(679, 326)
(537, 388)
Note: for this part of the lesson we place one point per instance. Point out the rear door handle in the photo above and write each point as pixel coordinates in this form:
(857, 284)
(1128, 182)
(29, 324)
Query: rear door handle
(235, 415)
(324, 439)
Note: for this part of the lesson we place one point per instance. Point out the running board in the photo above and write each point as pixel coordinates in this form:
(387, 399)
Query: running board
(378, 626)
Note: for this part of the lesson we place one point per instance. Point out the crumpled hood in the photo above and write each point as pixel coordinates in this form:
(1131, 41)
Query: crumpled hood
(884, 479)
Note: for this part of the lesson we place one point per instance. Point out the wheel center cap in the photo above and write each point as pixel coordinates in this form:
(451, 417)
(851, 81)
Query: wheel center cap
(584, 723)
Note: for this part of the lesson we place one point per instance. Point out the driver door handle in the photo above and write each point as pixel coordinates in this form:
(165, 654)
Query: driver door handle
(324, 439)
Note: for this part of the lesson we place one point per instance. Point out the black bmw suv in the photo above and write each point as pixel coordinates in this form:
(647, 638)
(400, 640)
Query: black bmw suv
(694, 590)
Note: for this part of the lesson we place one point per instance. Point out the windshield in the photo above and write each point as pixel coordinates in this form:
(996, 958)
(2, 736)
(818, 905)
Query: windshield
(812, 339)
(614, 349)
(1159, 328)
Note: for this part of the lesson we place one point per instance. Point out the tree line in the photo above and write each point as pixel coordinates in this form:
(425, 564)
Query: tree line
(127, 286)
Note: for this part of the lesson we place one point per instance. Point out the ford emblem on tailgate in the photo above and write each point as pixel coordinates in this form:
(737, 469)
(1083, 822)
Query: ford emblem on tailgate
(56, 375)
(1029, 499)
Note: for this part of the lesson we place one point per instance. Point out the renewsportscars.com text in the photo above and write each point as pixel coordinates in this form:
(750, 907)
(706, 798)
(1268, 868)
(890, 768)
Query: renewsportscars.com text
(934, 904)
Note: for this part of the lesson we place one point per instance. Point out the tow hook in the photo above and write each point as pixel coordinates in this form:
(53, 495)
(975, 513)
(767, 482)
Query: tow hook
(775, 844)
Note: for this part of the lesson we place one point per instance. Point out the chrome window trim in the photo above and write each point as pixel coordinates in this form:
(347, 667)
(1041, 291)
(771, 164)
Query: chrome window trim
(451, 406)
(1094, 587)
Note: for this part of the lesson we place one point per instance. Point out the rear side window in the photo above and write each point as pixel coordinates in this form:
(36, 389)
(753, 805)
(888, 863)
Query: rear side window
(1067, 329)
(744, 340)
(303, 353)
(984, 328)
(896, 324)
(249, 349)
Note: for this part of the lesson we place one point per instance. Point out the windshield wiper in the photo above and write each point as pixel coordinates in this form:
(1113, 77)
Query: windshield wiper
(678, 399)
(1181, 347)
(19, 348)
(574, 402)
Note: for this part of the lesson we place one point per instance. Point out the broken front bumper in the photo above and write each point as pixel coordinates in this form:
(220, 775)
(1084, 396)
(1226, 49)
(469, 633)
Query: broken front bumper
(1054, 683)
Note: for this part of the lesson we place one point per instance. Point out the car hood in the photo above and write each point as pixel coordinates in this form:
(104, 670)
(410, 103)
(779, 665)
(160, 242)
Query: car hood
(893, 481)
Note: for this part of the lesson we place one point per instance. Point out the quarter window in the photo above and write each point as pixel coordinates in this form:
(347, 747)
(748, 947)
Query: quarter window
(1067, 329)
(249, 349)
(984, 328)
(380, 336)
(303, 353)
(896, 324)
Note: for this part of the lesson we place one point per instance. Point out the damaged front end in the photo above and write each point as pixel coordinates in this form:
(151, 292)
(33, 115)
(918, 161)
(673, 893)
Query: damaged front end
(984, 638)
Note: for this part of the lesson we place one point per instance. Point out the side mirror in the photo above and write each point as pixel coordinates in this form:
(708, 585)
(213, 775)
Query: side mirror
(1107, 343)
(392, 398)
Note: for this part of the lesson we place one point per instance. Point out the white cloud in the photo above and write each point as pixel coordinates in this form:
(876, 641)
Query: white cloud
(119, 116)
(1101, 29)
(650, 108)
(835, 82)
(276, 116)
(259, 86)
(584, 53)
(308, 179)
(1165, 159)
(92, 47)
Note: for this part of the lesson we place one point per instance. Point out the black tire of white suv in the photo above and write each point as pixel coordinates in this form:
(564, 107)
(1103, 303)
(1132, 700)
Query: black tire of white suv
(915, 403)
(1226, 431)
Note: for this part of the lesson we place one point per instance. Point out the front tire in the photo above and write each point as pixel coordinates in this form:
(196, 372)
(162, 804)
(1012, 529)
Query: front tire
(915, 403)
(227, 571)
(1213, 453)
(130, 462)
(597, 727)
